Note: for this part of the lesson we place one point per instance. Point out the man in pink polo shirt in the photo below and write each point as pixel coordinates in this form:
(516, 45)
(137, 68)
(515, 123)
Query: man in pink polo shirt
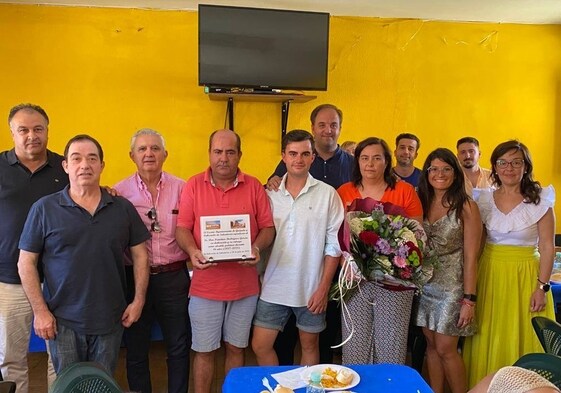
(223, 295)
(155, 195)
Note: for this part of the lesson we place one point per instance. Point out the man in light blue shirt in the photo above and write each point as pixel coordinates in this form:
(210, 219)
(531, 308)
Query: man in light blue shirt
(305, 255)
(334, 166)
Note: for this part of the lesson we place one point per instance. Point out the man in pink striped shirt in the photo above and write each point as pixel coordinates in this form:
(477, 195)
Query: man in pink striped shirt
(155, 194)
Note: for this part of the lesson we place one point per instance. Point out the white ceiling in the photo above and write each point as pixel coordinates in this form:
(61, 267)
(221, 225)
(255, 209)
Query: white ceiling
(504, 11)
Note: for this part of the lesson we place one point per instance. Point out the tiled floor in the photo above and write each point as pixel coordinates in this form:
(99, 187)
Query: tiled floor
(38, 370)
(158, 371)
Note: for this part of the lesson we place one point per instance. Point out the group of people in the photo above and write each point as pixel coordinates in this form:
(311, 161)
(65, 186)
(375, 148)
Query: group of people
(492, 232)
(88, 266)
(94, 264)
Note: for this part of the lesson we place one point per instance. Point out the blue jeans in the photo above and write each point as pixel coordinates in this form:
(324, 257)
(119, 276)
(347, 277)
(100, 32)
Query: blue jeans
(71, 347)
(274, 316)
(166, 302)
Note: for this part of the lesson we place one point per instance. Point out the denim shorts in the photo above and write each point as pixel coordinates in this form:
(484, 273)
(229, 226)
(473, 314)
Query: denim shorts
(213, 320)
(274, 316)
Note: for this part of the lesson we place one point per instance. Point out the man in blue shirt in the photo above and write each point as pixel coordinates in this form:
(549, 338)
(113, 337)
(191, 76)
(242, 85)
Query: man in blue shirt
(332, 164)
(406, 150)
(27, 172)
(82, 233)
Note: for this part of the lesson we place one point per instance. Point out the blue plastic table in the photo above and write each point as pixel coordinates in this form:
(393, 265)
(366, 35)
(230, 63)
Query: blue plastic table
(374, 378)
(556, 291)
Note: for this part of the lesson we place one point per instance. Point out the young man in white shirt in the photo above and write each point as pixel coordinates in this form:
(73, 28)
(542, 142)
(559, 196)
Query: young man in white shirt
(469, 155)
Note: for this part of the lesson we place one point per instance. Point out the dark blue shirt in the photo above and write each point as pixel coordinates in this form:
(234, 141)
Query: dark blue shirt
(413, 178)
(19, 189)
(336, 171)
(83, 257)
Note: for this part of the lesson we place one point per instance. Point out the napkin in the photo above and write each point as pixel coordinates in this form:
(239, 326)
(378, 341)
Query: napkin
(291, 379)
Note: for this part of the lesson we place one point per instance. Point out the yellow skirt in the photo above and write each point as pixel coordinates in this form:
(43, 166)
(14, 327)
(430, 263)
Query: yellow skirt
(506, 280)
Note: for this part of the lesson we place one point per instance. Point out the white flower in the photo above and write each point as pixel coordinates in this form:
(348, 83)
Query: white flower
(356, 225)
(408, 236)
(385, 262)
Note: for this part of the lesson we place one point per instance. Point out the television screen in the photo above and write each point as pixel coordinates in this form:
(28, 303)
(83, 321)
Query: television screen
(262, 48)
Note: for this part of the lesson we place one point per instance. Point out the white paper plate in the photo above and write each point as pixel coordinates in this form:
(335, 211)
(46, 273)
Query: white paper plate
(336, 367)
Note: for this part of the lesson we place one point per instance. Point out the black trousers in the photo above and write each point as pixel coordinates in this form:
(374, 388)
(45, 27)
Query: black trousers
(418, 347)
(167, 303)
(417, 342)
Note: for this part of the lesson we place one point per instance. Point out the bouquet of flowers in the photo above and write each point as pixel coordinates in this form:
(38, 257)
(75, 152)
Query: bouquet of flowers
(384, 246)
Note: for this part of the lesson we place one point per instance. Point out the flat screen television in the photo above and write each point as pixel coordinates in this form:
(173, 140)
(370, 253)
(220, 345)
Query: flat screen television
(262, 48)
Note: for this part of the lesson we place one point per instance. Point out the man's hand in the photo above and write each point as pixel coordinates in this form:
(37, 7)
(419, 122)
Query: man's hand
(252, 262)
(199, 261)
(111, 191)
(44, 324)
(132, 314)
(274, 183)
(318, 302)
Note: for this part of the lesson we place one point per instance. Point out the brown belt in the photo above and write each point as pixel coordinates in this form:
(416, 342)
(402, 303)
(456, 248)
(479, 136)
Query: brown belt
(170, 267)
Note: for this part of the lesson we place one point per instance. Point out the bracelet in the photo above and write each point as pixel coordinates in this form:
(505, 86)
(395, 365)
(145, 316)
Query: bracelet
(466, 303)
(541, 282)
(471, 297)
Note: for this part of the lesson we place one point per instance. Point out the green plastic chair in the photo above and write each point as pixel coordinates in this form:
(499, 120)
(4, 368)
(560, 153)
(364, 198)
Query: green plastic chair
(549, 334)
(7, 387)
(85, 377)
(545, 364)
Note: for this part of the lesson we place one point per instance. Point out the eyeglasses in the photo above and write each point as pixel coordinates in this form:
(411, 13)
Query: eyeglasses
(153, 215)
(516, 163)
(445, 170)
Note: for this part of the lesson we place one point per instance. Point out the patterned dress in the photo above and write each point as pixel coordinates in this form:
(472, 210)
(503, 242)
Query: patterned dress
(381, 319)
(439, 303)
(380, 316)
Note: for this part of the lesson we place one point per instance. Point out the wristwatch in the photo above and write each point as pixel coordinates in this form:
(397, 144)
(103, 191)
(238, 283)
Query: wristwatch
(470, 296)
(544, 286)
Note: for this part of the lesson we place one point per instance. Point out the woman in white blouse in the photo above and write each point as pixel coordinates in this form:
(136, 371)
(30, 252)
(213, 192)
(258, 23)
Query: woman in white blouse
(515, 265)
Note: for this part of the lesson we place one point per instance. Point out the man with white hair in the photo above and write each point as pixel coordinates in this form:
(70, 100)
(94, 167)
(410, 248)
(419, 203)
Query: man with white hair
(155, 195)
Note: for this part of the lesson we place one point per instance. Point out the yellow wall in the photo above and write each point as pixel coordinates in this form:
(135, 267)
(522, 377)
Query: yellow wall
(108, 72)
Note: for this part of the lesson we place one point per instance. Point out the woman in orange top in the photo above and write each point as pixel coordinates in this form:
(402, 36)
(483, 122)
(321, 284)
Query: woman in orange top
(380, 336)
